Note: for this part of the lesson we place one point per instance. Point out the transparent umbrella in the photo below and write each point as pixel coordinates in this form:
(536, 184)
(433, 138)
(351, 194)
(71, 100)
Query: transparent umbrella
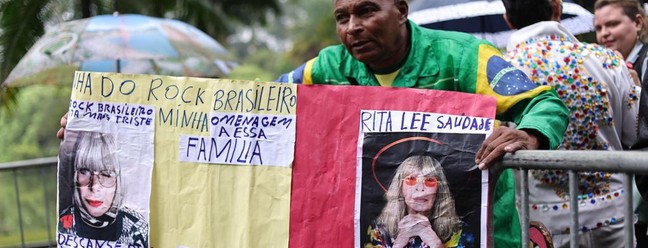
(483, 18)
(127, 43)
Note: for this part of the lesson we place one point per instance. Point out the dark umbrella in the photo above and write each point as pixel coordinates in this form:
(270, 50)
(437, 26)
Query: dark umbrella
(483, 18)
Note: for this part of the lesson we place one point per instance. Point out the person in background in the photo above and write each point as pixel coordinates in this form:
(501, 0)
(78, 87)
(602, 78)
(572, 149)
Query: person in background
(621, 25)
(381, 47)
(597, 87)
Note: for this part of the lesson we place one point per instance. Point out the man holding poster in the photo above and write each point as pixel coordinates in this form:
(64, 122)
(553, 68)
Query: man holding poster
(381, 47)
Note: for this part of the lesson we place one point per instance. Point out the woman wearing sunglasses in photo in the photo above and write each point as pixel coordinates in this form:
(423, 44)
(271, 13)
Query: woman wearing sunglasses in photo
(97, 212)
(420, 211)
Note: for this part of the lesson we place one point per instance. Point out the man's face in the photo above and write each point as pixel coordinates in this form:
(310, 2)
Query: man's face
(372, 30)
(615, 30)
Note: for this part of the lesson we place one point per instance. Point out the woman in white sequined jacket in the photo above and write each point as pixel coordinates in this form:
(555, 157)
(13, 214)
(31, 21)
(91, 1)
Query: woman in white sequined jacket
(597, 88)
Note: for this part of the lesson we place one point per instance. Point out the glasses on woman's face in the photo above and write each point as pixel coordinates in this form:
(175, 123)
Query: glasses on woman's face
(106, 178)
(427, 181)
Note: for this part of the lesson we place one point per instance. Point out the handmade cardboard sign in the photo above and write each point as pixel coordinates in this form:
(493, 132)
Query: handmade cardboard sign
(157, 161)
(202, 162)
(371, 159)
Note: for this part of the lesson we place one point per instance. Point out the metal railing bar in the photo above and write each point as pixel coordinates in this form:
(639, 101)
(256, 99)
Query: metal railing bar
(628, 162)
(20, 221)
(610, 161)
(525, 211)
(573, 213)
(28, 163)
(628, 227)
(47, 211)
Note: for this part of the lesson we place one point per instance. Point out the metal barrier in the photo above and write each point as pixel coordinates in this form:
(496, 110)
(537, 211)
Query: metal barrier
(42, 164)
(628, 162)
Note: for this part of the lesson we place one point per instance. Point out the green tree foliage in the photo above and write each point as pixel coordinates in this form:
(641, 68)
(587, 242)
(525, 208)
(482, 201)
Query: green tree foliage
(214, 17)
(21, 23)
(304, 28)
(314, 32)
(30, 129)
(261, 65)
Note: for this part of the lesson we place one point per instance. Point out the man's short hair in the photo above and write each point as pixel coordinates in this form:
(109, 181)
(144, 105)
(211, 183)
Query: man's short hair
(522, 13)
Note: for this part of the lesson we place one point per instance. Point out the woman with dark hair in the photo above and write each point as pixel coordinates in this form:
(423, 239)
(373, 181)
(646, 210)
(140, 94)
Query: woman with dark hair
(420, 210)
(97, 211)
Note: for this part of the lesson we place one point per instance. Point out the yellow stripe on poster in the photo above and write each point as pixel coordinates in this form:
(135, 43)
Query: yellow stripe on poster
(221, 176)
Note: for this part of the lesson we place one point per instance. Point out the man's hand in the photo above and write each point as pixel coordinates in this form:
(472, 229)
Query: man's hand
(61, 131)
(503, 140)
